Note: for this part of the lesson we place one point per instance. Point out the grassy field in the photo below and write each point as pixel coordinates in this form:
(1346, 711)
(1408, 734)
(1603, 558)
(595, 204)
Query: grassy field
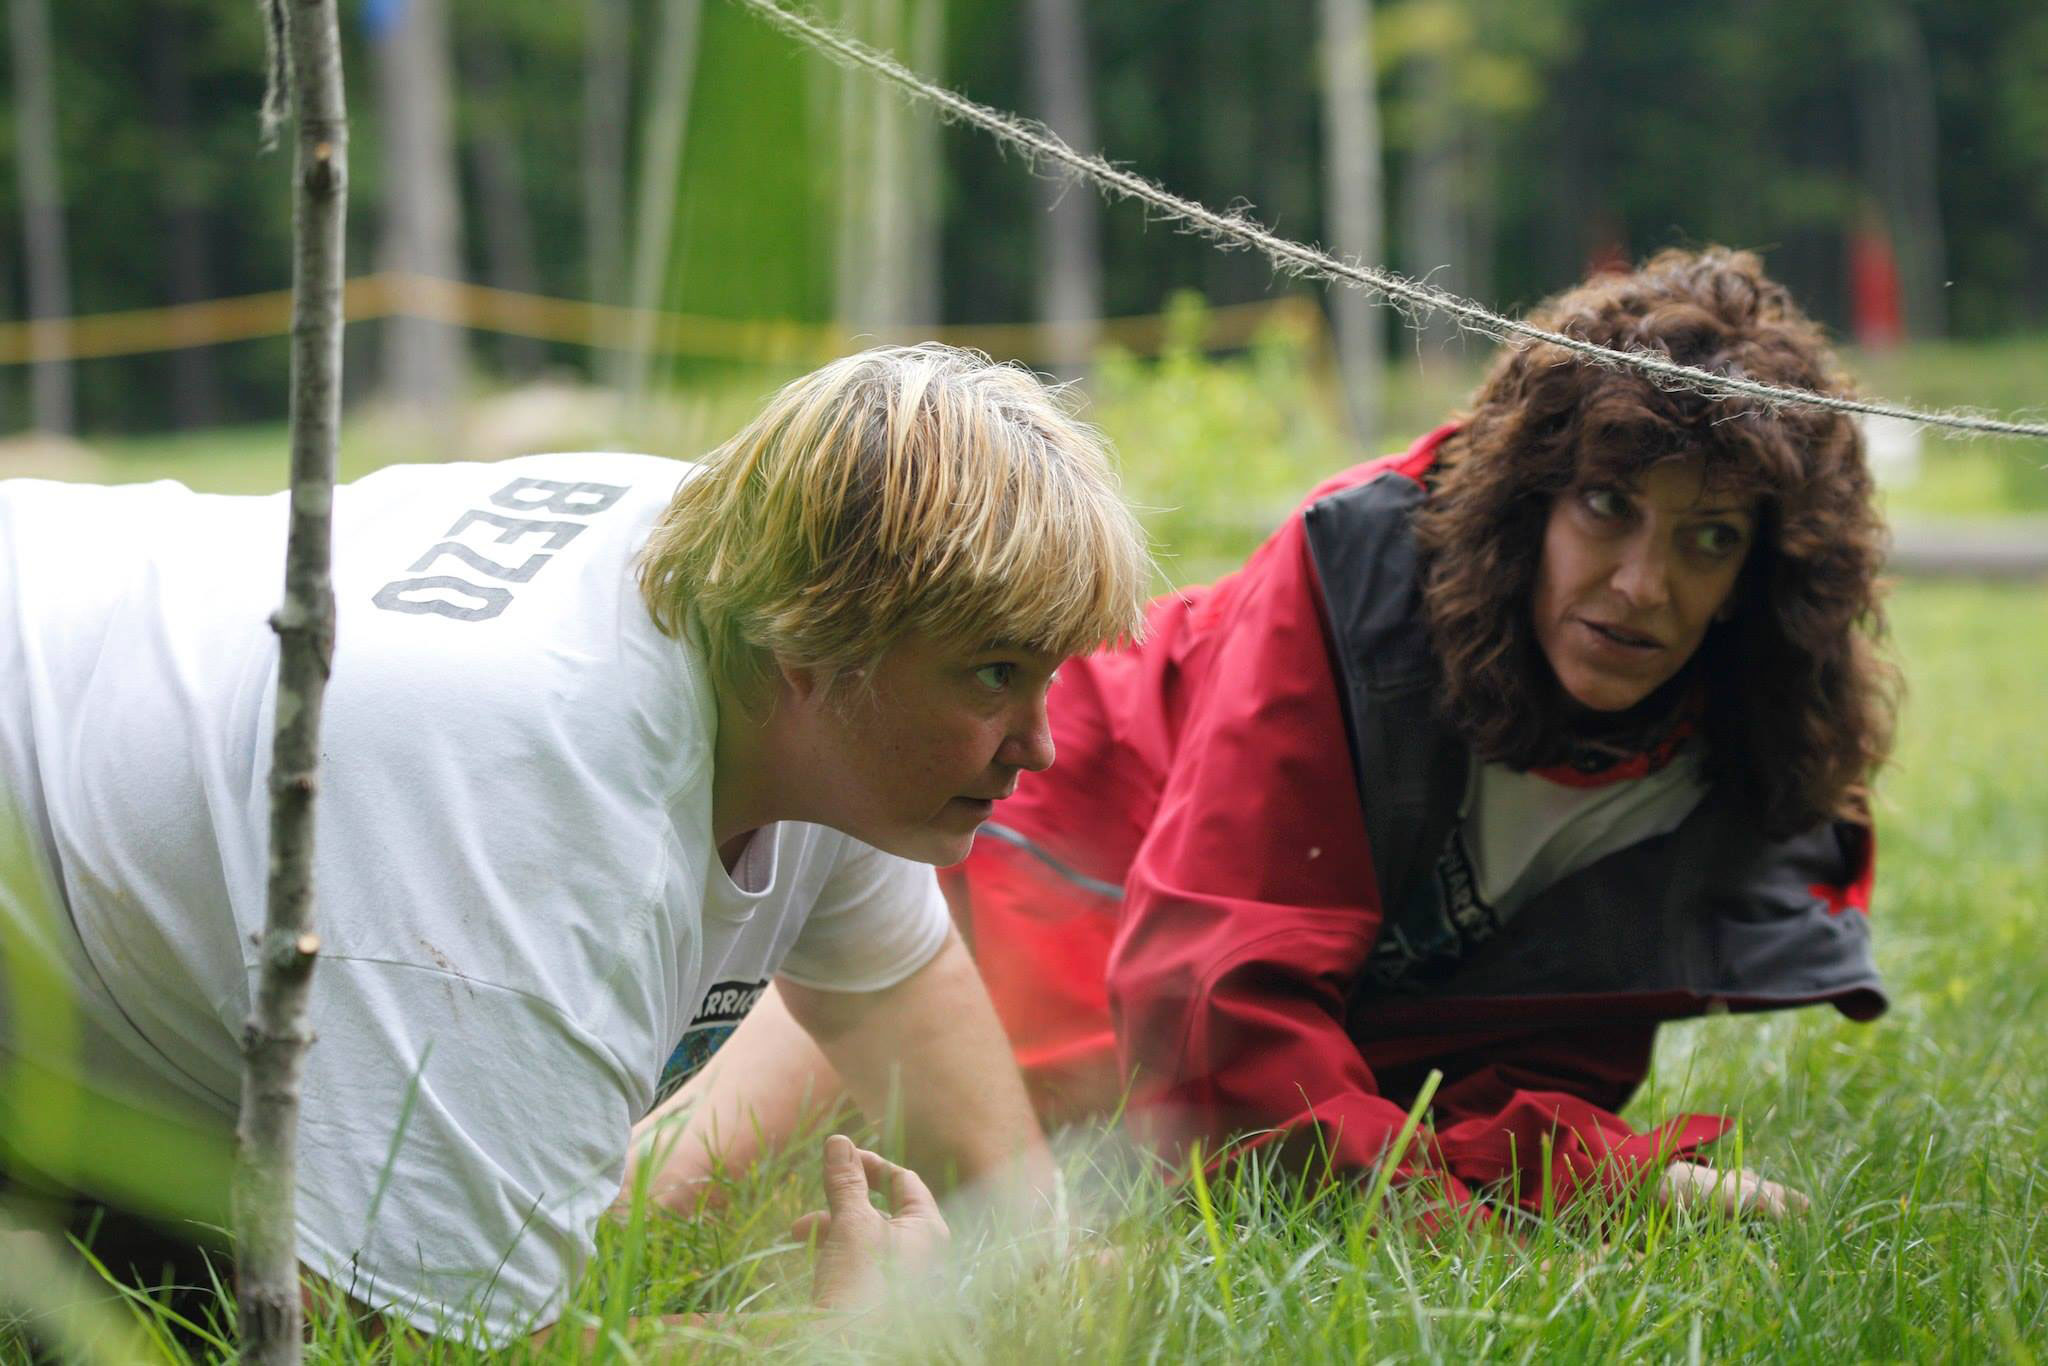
(1919, 1136)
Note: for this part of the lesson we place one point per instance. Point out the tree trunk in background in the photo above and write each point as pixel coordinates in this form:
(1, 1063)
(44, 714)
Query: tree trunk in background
(851, 253)
(1569, 181)
(42, 213)
(1482, 209)
(1069, 237)
(607, 81)
(672, 75)
(879, 199)
(501, 191)
(7, 400)
(1895, 109)
(195, 390)
(1433, 245)
(423, 361)
(924, 299)
(888, 282)
(1354, 216)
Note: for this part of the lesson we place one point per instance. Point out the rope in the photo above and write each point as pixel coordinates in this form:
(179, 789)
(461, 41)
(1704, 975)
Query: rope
(1412, 298)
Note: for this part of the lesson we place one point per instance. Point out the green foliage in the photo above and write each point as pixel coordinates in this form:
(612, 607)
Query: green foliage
(1578, 124)
(1984, 478)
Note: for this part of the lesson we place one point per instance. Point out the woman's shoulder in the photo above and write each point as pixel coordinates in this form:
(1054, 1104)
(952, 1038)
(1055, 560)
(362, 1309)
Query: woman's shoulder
(1412, 465)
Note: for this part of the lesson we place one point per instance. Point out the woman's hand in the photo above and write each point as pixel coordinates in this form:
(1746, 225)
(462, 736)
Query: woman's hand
(1695, 1186)
(858, 1243)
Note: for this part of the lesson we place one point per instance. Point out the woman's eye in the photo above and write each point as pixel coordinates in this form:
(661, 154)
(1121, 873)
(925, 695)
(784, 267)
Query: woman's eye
(1607, 504)
(1718, 538)
(995, 677)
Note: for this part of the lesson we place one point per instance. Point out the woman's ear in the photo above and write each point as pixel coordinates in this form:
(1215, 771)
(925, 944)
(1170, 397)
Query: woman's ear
(800, 683)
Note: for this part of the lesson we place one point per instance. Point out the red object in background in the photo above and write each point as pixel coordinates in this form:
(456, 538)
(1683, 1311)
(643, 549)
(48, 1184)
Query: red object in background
(1609, 258)
(1874, 285)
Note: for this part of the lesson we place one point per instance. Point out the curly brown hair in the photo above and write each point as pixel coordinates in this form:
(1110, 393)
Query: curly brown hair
(1799, 695)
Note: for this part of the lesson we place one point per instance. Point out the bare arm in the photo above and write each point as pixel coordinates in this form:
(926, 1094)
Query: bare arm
(932, 1046)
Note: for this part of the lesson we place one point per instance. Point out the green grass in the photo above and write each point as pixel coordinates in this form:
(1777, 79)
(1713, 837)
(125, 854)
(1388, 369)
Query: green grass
(1917, 1136)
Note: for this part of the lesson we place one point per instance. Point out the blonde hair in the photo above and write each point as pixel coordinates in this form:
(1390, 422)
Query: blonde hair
(904, 487)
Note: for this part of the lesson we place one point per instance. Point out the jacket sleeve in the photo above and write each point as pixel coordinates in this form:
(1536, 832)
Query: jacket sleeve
(1250, 909)
(1533, 1117)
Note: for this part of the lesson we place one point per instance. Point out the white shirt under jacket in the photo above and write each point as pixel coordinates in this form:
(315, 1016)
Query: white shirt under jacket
(523, 922)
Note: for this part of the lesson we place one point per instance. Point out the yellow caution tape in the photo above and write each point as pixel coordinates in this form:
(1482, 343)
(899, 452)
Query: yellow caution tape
(395, 294)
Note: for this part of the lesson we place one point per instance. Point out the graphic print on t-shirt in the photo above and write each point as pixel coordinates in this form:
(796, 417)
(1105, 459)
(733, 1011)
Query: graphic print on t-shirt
(463, 599)
(725, 1005)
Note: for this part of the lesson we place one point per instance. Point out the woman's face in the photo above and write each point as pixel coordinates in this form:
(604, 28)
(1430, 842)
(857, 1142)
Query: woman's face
(1631, 578)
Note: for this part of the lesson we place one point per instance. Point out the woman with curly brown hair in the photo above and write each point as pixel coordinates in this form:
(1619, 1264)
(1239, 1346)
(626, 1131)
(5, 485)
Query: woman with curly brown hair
(1497, 754)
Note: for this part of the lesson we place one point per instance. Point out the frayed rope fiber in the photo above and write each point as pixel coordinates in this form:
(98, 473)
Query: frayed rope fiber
(1413, 298)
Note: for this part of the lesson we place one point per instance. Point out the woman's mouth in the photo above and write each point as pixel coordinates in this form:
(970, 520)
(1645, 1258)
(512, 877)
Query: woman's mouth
(1621, 636)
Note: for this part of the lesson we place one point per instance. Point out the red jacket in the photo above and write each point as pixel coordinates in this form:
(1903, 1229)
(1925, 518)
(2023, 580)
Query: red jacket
(1208, 774)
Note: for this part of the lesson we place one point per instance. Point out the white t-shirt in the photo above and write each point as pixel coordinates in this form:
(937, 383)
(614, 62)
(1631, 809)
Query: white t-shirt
(1524, 831)
(1518, 834)
(523, 920)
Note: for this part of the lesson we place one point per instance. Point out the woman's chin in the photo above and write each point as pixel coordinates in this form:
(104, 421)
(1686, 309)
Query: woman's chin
(1606, 695)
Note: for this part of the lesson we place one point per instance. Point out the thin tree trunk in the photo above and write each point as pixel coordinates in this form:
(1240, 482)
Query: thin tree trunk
(872, 264)
(674, 61)
(195, 390)
(423, 360)
(275, 1039)
(1069, 236)
(1351, 170)
(889, 282)
(7, 400)
(925, 171)
(853, 256)
(42, 214)
(607, 80)
(501, 192)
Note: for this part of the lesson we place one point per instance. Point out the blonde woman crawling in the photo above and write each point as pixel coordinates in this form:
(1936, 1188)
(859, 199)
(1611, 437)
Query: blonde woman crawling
(612, 743)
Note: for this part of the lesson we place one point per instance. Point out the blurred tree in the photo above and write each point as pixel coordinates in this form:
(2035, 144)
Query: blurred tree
(424, 361)
(1463, 72)
(672, 74)
(44, 255)
(195, 391)
(497, 170)
(1352, 176)
(888, 173)
(924, 170)
(607, 87)
(1522, 138)
(1899, 145)
(1068, 240)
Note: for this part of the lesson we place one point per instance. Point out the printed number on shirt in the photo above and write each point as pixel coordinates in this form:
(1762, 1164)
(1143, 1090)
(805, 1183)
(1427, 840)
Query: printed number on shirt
(492, 545)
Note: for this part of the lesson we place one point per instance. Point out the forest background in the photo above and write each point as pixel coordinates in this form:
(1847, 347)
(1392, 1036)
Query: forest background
(679, 155)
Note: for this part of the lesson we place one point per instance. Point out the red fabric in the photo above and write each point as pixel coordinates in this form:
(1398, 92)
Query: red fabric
(1207, 771)
(1874, 286)
(1855, 894)
(1642, 763)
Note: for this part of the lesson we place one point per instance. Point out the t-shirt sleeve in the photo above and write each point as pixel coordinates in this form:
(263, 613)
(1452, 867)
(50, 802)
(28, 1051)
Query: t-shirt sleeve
(431, 1186)
(878, 919)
